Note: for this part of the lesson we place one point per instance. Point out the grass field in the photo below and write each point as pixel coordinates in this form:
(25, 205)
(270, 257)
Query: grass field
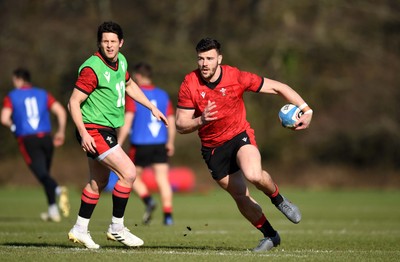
(337, 226)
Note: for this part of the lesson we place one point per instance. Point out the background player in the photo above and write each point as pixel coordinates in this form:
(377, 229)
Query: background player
(26, 111)
(210, 101)
(151, 142)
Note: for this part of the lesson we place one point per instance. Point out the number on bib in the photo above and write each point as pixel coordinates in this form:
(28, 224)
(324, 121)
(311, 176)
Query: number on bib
(121, 93)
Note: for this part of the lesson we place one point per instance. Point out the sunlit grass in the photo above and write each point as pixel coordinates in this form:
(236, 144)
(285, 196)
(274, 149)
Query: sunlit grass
(336, 226)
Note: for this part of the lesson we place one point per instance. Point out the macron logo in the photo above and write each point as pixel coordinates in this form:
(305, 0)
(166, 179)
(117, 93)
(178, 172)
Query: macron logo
(107, 76)
(203, 94)
(123, 66)
(244, 139)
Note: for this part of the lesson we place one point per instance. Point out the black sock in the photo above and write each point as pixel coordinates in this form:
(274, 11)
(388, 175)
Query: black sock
(267, 229)
(120, 198)
(277, 199)
(147, 200)
(88, 203)
(50, 188)
(86, 210)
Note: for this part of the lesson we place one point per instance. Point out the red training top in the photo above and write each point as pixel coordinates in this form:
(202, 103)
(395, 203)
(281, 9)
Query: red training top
(227, 93)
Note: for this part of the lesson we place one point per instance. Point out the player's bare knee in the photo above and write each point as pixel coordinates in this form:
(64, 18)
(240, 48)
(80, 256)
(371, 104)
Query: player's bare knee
(129, 178)
(255, 178)
(128, 175)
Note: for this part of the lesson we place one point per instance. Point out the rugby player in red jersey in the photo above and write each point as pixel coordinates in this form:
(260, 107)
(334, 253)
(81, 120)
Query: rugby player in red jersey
(210, 100)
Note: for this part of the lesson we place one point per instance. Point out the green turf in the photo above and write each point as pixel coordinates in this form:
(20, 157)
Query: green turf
(349, 225)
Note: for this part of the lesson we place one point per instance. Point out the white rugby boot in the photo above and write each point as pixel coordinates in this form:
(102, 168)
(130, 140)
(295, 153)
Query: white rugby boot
(63, 201)
(82, 237)
(124, 236)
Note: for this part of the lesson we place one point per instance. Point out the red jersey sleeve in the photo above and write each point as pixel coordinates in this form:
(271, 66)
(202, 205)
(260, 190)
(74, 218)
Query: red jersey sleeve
(87, 80)
(130, 105)
(50, 100)
(170, 109)
(7, 102)
(250, 81)
(127, 76)
(184, 97)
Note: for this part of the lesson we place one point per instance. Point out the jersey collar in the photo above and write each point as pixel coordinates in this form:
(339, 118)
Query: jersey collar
(112, 65)
(26, 87)
(214, 84)
(147, 87)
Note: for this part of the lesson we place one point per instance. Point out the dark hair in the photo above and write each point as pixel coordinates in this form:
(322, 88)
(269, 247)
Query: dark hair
(144, 69)
(207, 44)
(109, 27)
(23, 74)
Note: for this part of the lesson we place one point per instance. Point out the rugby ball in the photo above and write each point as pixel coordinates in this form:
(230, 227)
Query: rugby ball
(289, 114)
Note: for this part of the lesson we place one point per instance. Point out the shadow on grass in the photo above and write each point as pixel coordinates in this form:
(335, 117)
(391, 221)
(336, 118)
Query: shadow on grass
(21, 244)
(109, 247)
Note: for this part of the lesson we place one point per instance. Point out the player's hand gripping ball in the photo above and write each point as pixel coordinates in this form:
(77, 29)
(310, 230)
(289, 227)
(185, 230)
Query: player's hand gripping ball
(289, 114)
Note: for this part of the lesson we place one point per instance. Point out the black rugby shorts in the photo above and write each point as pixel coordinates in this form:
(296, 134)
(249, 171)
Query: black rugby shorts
(146, 155)
(221, 160)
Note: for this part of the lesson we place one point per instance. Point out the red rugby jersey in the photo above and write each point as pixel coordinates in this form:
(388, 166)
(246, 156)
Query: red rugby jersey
(228, 97)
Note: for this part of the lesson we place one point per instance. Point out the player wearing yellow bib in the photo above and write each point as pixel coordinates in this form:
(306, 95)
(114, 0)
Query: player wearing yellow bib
(97, 106)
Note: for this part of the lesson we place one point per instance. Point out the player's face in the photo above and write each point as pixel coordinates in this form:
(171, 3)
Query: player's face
(110, 45)
(18, 82)
(208, 63)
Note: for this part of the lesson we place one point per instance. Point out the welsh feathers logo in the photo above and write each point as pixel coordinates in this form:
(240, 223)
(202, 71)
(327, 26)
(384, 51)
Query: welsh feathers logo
(110, 140)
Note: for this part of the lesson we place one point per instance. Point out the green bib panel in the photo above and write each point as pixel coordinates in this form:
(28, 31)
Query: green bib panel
(106, 104)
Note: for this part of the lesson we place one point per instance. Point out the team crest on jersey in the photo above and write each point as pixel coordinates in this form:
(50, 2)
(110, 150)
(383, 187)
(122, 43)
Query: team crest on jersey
(109, 139)
(223, 90)
(203, 94)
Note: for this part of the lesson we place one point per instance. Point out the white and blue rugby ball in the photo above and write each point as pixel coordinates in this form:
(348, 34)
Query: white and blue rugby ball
(289, 114)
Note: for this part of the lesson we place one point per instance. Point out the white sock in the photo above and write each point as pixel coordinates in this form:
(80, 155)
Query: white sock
(53, 210)
(117, 223)
(58, 190)
(82, 223)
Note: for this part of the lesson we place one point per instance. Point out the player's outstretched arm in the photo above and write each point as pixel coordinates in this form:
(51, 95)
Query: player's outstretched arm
(134, 91)
(277, 88)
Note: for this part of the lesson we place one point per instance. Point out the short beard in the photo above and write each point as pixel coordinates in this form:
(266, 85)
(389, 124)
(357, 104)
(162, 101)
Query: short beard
(211, 75)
